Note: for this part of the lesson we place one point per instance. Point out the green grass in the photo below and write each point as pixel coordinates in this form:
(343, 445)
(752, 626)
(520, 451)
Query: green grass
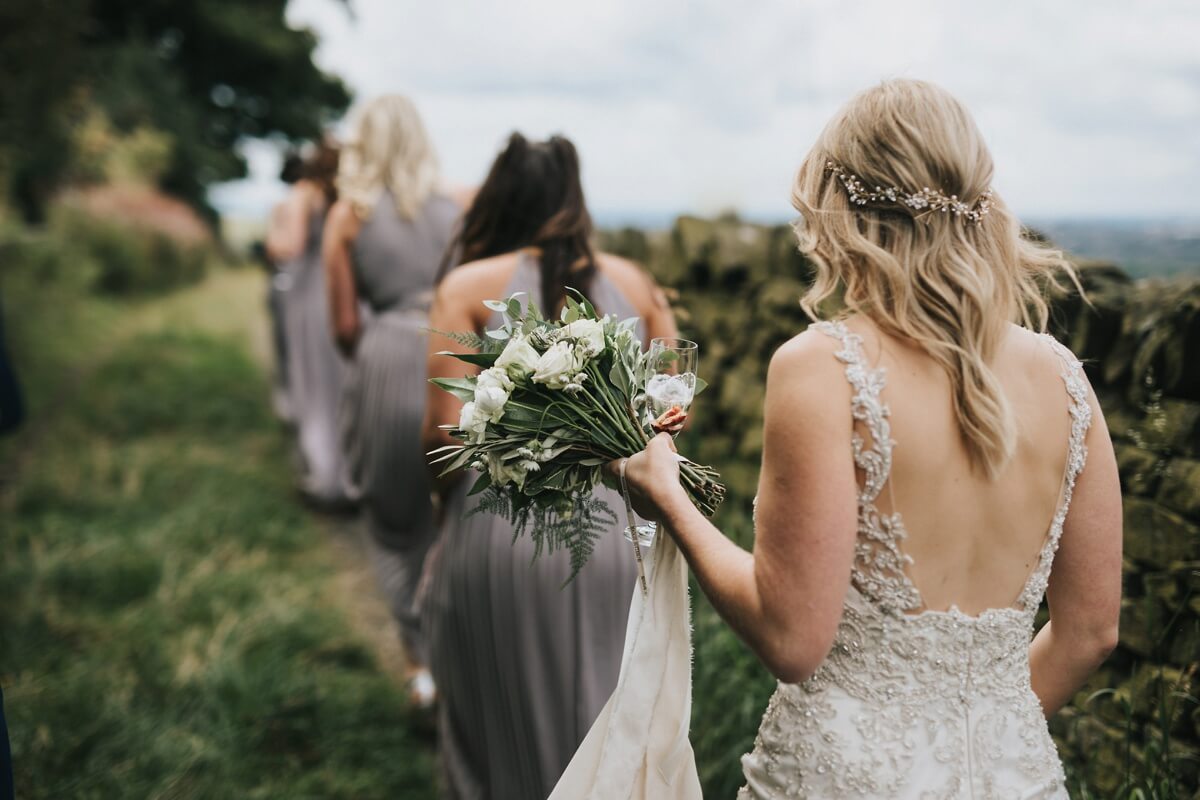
(170, 623)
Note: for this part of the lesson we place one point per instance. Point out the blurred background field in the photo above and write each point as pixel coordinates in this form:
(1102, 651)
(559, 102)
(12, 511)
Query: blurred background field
(174, 624)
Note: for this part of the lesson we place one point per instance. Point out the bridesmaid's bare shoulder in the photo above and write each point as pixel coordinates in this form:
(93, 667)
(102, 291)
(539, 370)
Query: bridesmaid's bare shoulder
(635, 282)
(468, 285)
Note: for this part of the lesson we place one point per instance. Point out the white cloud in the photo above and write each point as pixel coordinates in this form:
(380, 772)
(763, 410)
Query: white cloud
(1091, 108)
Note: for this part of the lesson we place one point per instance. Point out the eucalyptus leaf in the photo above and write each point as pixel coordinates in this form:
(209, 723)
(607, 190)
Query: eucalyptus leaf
(462, 388)
(513, 307)
(478, 359)
(458, 462)
(620, 377)
(484, 482)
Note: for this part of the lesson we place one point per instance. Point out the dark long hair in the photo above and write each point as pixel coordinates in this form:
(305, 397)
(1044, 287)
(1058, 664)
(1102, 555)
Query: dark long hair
(532, 198)
(321, 168)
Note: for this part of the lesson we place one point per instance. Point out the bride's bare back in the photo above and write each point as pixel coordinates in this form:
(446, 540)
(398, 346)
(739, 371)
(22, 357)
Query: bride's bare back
(973, 540)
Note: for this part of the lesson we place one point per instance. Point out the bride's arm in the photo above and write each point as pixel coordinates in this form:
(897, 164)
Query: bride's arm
(784, 599)
(1084, 594)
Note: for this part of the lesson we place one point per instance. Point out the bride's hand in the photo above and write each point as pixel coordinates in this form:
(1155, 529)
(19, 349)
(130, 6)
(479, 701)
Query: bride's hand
(652, 476)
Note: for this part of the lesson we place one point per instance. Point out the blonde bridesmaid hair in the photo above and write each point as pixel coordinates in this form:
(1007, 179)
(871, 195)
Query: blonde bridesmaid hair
(897, 211)
(388, 149)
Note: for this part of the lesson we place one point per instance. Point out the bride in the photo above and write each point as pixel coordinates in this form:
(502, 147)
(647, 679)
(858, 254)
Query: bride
(932, 467)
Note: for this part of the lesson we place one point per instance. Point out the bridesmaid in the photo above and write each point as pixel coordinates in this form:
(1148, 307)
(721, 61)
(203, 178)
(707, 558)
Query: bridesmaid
(524, 665)
(277, 290)
(383, 243)
(315, 370)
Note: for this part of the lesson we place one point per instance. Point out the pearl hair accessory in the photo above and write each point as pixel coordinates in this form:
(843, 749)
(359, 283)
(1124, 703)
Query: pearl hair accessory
(925, 200)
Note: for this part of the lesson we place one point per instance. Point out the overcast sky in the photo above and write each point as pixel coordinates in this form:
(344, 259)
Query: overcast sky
(1091, 108)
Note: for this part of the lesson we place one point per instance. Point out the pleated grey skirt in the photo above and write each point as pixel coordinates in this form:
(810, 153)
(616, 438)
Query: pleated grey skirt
(316, 373)
(523, 664)
(383, 408)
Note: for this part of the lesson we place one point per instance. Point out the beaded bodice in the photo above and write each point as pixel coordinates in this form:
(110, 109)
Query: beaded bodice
(912, 702)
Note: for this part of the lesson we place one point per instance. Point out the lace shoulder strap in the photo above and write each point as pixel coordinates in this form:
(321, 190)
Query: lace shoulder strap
(1081, 420)
(867, 407)
(879, 562)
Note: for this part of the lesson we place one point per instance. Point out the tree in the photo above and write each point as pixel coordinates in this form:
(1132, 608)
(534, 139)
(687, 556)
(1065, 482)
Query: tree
(208, 73)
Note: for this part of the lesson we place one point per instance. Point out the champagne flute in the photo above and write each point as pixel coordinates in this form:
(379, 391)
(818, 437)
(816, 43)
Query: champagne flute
(671, 386)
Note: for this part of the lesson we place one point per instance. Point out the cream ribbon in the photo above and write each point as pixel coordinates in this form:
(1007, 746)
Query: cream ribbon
(638, 748)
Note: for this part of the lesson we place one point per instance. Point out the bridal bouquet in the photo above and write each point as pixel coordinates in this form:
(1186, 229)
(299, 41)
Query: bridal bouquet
(556, 400)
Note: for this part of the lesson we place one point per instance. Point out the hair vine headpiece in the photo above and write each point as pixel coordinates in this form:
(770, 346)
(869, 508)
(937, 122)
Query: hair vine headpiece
(924, 200)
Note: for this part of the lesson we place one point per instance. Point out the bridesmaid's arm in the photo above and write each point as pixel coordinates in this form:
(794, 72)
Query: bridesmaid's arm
(647, 297)
(341, 229)
(784, 599)
(288, 227)
(451, 311)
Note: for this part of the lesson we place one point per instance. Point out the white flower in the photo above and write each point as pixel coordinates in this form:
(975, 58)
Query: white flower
(542, 451)
(470, 421)
(492, 388)
(557, 366)
(589, 333)
(494, 377)
(503, 474)
(489, 403)
(519, 358)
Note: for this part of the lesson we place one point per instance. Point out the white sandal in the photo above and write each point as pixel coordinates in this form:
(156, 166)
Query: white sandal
(422, 693)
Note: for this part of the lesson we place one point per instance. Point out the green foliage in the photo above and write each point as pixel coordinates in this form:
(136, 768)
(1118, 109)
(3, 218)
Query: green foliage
(730, 688)
(124, 259)
(168, 630)
(576, 530)
(41, 60)
(204, 74)
(101, 154)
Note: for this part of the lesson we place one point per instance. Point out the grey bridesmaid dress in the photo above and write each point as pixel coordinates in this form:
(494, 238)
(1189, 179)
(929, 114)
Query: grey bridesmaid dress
(316, 372)
(523, 663)
(395, 263)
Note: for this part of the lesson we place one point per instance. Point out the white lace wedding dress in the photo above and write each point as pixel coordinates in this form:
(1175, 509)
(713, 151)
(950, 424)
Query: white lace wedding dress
(927, 705)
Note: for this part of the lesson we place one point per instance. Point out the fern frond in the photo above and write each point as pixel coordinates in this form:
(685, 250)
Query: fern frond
(576, 530)
(467, 339)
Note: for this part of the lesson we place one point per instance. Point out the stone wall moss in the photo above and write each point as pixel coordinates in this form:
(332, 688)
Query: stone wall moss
(1136, 724)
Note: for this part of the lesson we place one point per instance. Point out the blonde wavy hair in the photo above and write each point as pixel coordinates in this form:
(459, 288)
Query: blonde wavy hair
(388, 149)
(946, 283)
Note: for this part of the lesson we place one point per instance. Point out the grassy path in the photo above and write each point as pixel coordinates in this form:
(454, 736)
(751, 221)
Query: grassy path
(175, 625)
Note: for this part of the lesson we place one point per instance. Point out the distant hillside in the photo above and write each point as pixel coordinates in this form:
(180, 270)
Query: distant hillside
(1142, 247)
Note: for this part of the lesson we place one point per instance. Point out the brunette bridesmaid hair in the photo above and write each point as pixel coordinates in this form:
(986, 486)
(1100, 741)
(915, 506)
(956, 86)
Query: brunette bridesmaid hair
(532, 197)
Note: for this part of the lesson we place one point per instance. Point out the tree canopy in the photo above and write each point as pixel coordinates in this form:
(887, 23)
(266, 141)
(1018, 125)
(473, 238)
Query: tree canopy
(206, 74)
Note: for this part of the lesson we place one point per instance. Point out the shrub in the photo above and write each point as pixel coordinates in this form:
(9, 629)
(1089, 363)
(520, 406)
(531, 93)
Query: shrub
(126, 259)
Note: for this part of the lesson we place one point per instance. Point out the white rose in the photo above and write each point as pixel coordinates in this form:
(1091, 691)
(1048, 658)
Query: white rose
(489, 403)
(519, 358)
(494, 377)
(491, 394)
(470, 421)
(589, 333)
(557, 366)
